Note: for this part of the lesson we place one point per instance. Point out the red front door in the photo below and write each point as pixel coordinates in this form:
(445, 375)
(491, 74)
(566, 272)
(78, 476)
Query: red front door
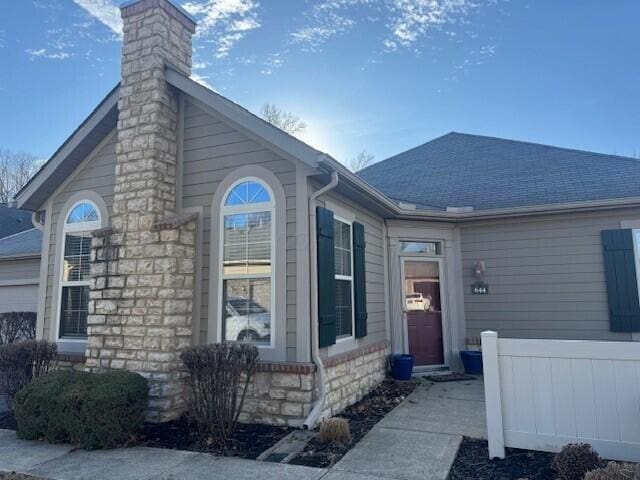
(423, 310)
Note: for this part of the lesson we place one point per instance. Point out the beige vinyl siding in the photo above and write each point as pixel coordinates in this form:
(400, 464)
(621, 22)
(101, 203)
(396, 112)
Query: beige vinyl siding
(212, 150)
(97, 175)
(545, 275)
(374, 266)
(18, 292)
(19, 269)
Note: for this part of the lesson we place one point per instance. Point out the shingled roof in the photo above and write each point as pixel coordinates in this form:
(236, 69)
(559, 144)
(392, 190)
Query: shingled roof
(462, 170)
(22, 244)
(13, 220)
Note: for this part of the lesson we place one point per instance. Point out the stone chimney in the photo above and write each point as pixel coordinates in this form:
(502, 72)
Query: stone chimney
(143, 265)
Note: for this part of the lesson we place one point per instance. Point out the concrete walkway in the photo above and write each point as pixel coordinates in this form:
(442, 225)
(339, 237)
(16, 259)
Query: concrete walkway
(420, 438)
(61, 462)
(416, 441)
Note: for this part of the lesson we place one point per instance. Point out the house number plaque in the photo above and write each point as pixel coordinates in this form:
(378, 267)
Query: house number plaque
(479, 288)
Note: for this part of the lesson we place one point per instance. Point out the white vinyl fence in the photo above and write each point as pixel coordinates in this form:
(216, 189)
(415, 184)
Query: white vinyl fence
(543, 394)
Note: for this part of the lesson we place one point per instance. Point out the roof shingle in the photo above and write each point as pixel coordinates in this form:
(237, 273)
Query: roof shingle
(462, 170)
(13, 220)
(21, 244)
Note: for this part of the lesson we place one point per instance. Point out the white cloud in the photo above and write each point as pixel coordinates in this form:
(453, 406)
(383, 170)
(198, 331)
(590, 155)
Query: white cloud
(223, 23)
(412, 19)
(106, 11)
(272, 63)
(406, 22)
(327, 19)
(53, 55)
(312, 38)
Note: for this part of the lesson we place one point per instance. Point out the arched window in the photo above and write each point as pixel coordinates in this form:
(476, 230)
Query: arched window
(82, 218)
(247, 296)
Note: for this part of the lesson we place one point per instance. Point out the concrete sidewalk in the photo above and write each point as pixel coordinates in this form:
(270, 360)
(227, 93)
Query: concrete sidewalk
(416, 441)
(420, 438)
(61, 462)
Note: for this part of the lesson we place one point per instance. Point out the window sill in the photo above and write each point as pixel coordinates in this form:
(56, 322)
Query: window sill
(341, 346)
(71, 347)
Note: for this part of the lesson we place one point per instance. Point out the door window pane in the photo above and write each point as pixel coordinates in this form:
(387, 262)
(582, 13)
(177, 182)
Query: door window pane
(422, 286)
(247, 310)
(73, 313)
(425, 248)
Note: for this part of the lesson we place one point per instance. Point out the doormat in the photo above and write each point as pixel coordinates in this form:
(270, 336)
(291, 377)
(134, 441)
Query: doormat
(449, 377)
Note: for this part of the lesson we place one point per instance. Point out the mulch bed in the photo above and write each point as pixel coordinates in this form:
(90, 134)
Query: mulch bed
(7, 421)
(17, 476)
(249, 440)
(362, 416)
(472, 463)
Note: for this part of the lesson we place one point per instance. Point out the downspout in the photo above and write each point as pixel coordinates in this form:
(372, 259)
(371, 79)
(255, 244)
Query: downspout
(35, 221)
(315, 349)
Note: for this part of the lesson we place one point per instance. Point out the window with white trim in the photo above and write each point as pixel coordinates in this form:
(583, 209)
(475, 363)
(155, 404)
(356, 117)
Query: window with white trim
(344, 278)
(247, 287)
(74, 274)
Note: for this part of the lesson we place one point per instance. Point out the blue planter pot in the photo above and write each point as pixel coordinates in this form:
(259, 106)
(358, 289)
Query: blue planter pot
(472, 361)
(402, 366)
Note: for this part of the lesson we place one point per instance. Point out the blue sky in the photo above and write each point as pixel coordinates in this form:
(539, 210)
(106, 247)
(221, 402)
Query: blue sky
(380, 75)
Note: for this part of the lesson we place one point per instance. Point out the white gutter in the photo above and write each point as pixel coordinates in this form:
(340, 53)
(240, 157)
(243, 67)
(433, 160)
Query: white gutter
(311, 420)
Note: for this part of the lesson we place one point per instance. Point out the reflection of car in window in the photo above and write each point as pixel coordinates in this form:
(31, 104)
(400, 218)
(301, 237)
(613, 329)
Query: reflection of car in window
(247, 320)
(416, 301)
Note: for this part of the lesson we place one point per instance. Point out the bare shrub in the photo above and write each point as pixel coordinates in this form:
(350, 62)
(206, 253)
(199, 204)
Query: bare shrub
(335, 429)
(615, 471)
(574, 460)
(218, 376)
(21, 363)
(16, 326)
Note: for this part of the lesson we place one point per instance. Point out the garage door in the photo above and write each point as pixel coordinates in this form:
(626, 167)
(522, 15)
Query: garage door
(19, 298)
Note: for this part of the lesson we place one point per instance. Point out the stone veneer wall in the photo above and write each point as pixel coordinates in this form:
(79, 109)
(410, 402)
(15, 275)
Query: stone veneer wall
(281, 394)
(140, 308)
(285, 393)
(142, 287)
(350, 376)
(69, 362)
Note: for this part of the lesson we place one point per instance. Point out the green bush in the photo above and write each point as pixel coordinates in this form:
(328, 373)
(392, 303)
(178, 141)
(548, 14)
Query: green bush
(91, 410)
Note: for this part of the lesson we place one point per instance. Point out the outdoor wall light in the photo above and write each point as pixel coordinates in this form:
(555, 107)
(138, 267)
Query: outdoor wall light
(479, 267)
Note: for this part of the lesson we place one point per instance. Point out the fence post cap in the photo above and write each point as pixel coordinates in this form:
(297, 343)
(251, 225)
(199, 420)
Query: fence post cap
(489, 333)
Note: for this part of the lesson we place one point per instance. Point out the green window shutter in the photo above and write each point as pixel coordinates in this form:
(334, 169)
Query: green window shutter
(359, 280)
(326, 278)
(622, 285)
